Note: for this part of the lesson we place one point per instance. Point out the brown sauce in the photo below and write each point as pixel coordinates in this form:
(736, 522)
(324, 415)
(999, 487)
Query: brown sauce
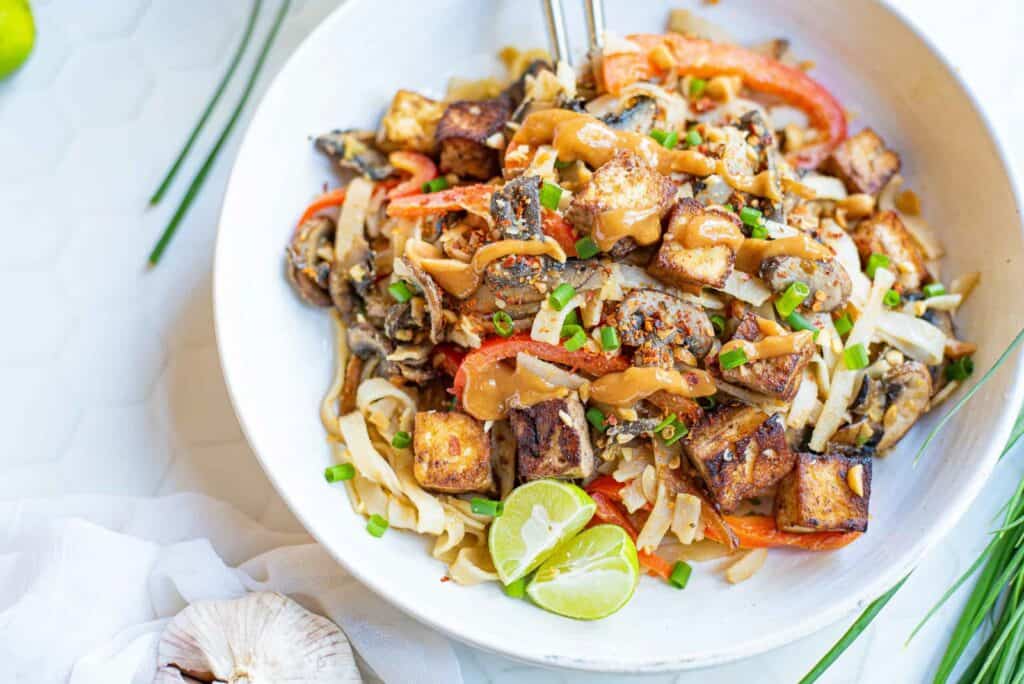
(625, 389)
(643, 225)
(708, 229)
(753, 251)
(492, 391)
(771, 346)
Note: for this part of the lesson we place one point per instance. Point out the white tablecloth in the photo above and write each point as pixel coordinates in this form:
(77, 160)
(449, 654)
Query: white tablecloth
(110, 379)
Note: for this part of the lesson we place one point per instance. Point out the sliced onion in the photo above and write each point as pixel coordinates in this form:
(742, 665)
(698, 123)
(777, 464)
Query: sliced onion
(915, 337)
(658, 522)
(548, 323)
(803, 403)
(745, 568)
(549, 372)
(686, 518)
(747, 288)
(825, 187)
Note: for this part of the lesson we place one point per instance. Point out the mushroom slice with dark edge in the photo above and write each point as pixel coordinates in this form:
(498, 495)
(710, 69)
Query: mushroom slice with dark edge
(828, 282)
(308, 260)
(651, 320)
(908, 389)
(432, 295)
(516, 209)
(636, 117)
(355, 150)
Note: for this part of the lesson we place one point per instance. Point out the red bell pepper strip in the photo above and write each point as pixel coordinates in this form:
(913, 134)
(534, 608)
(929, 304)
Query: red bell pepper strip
(554, 226)
(759, 531)
(607, 485)
(331, 198)
(448, 357)
(475, 198)
(704, 58)
(420, 169)
(496, 349)
(609, 512)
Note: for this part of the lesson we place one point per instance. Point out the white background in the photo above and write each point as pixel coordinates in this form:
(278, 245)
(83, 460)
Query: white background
(109, 378)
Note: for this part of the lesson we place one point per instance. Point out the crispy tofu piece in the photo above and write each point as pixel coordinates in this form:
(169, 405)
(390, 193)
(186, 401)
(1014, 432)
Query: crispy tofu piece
(679, 266)
(625, 182)
(738, 451)
(410, 123)
(817, 495)
(553, 440)
(778, 376)
(471, 134)
(863, 162)
(452, 453)
(884, 233)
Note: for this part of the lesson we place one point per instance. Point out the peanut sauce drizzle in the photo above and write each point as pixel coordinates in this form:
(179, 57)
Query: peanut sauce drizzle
(643, 225)
(492, 391)
(776, 342)
(625, 389)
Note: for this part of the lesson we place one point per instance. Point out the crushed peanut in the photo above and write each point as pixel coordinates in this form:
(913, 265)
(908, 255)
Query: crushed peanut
(855, 478)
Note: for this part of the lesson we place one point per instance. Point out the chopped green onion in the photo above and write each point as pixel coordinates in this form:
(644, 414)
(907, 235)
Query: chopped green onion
(793, 297)
(609, 338)
(561, 295)
(707, 403)
(732, 358)
(891, 299)
(680, 575)
(340, 472)
(875, 262)
(586, 247)
(843, 324)
(438, 184)
(573, 318)
(550, 196)
(751, 216)
(693, 138)
(559, 164)
(377, 525)
(517, 589)
(731, 208)
(855, 357)
(482, 506)
(934, 290)
(401, 440)
(798, 322)
(718, 323)
(502, 323)
(400, 291)
(679, 430)
(577, 338)
(697, 86)
(596, 418)
(960, 369)
(759, 232)
(667, 139)
(668, 420)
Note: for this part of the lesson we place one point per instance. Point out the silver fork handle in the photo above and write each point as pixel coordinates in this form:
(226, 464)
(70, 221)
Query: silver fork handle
(557, 36)
(595, 23)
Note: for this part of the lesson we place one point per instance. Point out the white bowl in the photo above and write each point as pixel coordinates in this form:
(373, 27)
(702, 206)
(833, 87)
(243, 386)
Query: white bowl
(277, 354)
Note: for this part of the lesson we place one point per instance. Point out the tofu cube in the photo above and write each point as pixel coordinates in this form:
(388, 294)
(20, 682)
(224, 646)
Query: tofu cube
(884, 233)
(452, 453)
(679, 266)
(863, 163)
(817, 495)
(778, 376)
(471, 134)
(553, 440)
(410, 123)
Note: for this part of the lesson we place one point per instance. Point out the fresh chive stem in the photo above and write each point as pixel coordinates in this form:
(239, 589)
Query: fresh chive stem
(221, 87)
(204, 171)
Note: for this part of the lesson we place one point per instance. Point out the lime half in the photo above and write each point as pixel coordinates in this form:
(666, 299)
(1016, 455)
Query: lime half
(537, 518)
(590, 576)
(17, 35)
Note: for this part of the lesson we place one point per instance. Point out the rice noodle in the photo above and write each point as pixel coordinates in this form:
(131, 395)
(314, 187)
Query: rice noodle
(747, 288)
(915, 337)
(747, 566)
(686, 518)
(803, 403)
(658, 522)
(825, 187)
(548, 323)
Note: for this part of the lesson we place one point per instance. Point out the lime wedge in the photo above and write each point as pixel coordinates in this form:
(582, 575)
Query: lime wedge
(17, 35)
(590, 576)
(538, 516)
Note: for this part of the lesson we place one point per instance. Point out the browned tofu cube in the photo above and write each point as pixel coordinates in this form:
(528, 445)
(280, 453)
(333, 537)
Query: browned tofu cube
(410, 123)
(738, 451)
(553, 440)
(471, 134)
(452, 453)
(884, 233)
(863, 162)
(825, 493)
(625, 182)
(778, 376)
(679, 266)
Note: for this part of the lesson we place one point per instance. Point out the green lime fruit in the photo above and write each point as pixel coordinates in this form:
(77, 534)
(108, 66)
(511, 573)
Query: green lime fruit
(17, 35)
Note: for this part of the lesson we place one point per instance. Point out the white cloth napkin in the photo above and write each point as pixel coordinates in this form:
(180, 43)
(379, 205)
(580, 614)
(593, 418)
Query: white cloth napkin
(88, 583)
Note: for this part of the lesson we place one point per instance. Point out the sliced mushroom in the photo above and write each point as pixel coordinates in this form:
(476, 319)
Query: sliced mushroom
(637, 116)
(516, 209)
(432, 295)
(366, 342)
(626, 430)
(355, 151)
(525, 279)
(308, 260)
(828, 282)
(908, 388)
(654, 322)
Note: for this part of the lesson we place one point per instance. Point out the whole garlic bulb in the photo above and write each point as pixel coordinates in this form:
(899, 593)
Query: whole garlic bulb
(261, 638)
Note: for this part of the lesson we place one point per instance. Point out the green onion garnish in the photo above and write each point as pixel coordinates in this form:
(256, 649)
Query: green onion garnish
(680, 575)
(891, 299)
(679, 430)
(793, 297)
(693, 138)
(718, 323)
(436, 185)
(798, 322)
(561, 295)
(517, 589)
(400, 291)
(502, 323)
(550, 196)
(707, 403)
(577, 338)
(596, 418)
(732, 358)
(586, 247)
(667, 139)
(730, 207)
(855, 357)
(666, 421)
(401, 440)
(377, 525)
(934, 290)
(751, 216)
(340, 472)
(843, 324)
(572, 319)
(875, 262)
(482, 506)
(759, 232)
(609, 338)
(697, 86)
(960, 369)
(559, 164)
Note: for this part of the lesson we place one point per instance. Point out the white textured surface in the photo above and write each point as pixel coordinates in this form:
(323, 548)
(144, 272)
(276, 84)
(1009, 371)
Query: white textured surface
(110, 379)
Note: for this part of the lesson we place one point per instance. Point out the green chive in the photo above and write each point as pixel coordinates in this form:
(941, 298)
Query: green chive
(596, 418)
(666, 421)
(679, 430)
(561, 295)
(855, 357)
(718, 323)
(793, 297)
(438, 184)
(517, 589)
(707, 403)
(577, 338)
(502, 323)
(693, 138)
(732, 358)
(482, 506)
(960, 369)
(751, 216)
(609, 338)
(572, 319)
(759, 233)
(798, 322)
(560, 165)
(377, 525)
(400, 291)
(875, 262)
(204, 170)
(667, 139)
(586, 247)
(340, 472)
(550, 196)
(401, 440)
(731, 208)
(680, 575)
(697, 86)
(843, 324)
(934, 290)
(891, 299)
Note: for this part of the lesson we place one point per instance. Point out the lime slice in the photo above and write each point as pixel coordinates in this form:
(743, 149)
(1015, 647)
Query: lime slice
(538, 516)
(590, 576)
(17, 35)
